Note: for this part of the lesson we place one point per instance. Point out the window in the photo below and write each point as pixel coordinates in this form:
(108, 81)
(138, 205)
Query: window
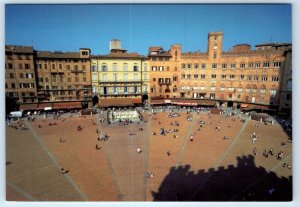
(45, 66)
(40, 79)
(263, 90)
(104, 77)
(188, 76)
(222, 88)
(230, 95)
(125, 76)
(202, 76)
(189, 66)
(29, 75)
(247, 90)
(224, 66)
(145, 76)
(266, 64)
(203, 66)
(161, 68)
(202, 88)
(94, 68)
(145, 68)
(83, 67)
(27, 66)
(232, 65)
(47, 79)
(60, 66)
(183, 66)
(231, 89)
(250, 65)
(277, 64)
(13, 85)
(273, 92)
(94, 77)
(255, 77)
(21, 75)
(231, 77)
(213, 76)
(249, 77)
(215, 55)
(76, 67)
(115, 67)
(242, 65)
(20, 66)
(242, 77)
(195, 76)
(288, 97)
(196, 66)
(240, 89)
(69, 79)
(212, 88)
(289, 84)
(264, 78)
(175, 78)
(154, 79)
(153, 68)
(183, 76)
(53, 66)
(257, 65)
(115, 78)
(10, 66)
(168, 68)
(223, 77)
(214, 66)
(125, 89)
(125, 66)
(104, 68)
(275, 78)
(12, 75)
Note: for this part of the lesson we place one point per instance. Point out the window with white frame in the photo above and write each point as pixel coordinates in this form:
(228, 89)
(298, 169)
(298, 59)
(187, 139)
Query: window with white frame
(196, 66)
(264, 78)
(196, 76)
(224, 66)
(249, 77)
(275, 78)
(262, 90)
(183, 66)
(273, 92)
(277, 64)
(240, 89)
(247, 90)
(154, 68)
(104, 67)
(242, 77)
(202, 76)
(114, 66)
(232, 65)
(266, 64)
(250, 64)
(231, 76)
(242, 65)
(222, 88)
(230, 89)
(214, 65)
(254, 89)
(94, 77)
(212, 88)
(125, 67)
(189, 66)
(203, 66)
(145, 67)
(161, 68)
(202, 88)
(223, 77)
(255, 77)
(257, 65)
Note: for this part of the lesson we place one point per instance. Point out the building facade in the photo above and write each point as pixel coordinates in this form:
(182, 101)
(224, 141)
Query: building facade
(120, 74)
(239, 76)
(286, 89)
(63, 76)
(20, 78)
(164, 75)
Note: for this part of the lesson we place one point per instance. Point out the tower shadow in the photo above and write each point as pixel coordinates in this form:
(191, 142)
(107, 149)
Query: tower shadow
(245, 182)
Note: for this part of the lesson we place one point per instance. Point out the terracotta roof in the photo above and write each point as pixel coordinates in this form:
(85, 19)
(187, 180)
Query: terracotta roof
(163, 54)
(154, 48)
(120, 56)
(110, 102)
(47, 54)
(67, 105)
(18, 49)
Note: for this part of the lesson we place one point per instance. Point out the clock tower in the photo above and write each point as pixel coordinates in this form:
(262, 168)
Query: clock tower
(214, 48)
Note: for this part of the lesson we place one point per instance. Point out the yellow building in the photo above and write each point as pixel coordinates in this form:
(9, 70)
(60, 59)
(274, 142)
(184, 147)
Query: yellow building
(120, 74)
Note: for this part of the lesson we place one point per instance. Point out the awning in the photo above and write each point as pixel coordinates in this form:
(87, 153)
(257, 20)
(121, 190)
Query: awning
(157, 102)
(136, 100)
(67, 105)
(110, 102)
(167, 101)
(44, 105)
(244, 105)
(28, 106)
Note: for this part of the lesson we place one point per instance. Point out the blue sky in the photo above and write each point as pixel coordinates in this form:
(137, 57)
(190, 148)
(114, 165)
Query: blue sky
(138, 26)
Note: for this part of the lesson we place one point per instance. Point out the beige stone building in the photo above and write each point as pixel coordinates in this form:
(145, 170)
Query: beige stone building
(120, 75)
(20, 75)
(63, 76)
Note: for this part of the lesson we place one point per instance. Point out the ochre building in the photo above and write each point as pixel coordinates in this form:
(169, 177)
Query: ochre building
(240, 76)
